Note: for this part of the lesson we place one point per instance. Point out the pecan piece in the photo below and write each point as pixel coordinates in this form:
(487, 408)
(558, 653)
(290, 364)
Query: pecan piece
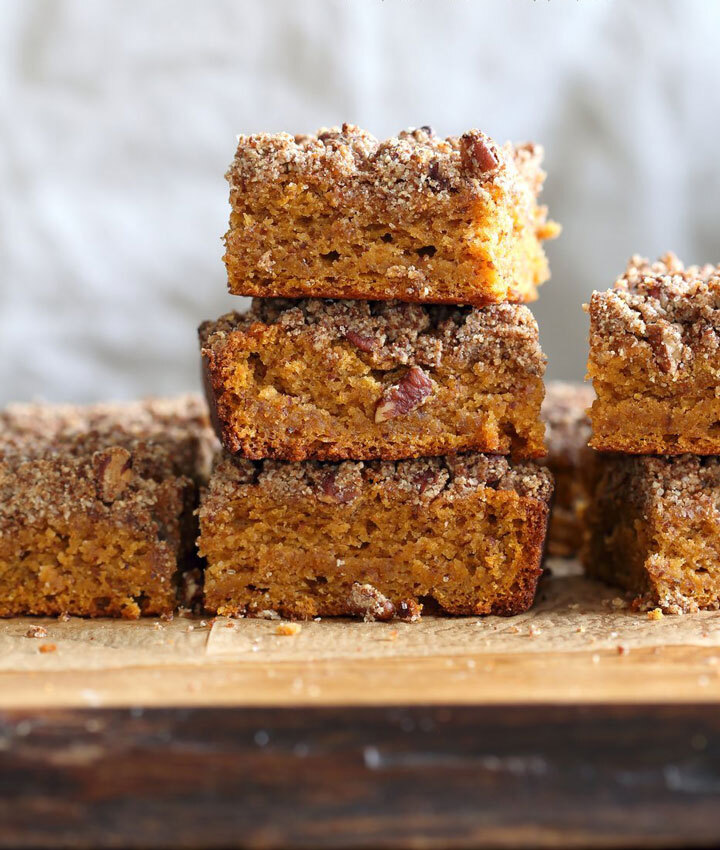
(476, 153)
(364, 343)
(367, 601)
(340, 484)
(438, 181)
(112, 470)
(409, 393)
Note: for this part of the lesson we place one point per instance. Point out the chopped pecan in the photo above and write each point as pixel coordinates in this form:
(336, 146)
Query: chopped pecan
(112, 470)
(340, 485)
(476, 153)
(438, 181)
(431, 482)
(408, 394)
(364, 343)
(368, 602)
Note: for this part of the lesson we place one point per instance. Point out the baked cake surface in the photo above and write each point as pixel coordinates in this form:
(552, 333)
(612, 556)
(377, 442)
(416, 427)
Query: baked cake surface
(654, 526)
(96, 505)
(416, 217)
(316, 539)
(655, 360)
(333, 380)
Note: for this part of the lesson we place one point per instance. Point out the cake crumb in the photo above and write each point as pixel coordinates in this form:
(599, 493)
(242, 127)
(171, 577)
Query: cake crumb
(367, 601)
(36, 632)
(655, 614)
(47, 647)
(289, 629)
(265, 615)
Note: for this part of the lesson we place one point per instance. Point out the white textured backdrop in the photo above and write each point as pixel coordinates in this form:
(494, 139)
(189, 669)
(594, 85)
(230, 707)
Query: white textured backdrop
(118, 119)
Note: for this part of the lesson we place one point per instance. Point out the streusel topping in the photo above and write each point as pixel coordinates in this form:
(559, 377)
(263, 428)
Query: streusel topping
(175, 428)
(673, 309)
(391, 333)
(687, 483)
(415, 161)
(420, 480)
(131, 461)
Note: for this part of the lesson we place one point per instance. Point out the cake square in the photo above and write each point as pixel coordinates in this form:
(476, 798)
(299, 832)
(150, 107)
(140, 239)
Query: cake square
(414, 218)
(96, 505)
(336, 380)
(655, 360)
(571, 462)
(654, 529)
(375, 538)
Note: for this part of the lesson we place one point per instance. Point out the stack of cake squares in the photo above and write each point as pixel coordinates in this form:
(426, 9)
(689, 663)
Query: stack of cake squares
(654, 522)
(379, 403)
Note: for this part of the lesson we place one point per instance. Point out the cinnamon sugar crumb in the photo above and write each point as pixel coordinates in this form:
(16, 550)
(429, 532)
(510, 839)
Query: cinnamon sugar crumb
(47, 647)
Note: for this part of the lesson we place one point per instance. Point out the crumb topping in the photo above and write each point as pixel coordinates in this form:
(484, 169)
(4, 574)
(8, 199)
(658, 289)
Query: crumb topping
(129, 462)
(684, 484)
(392, 333)
(416, 161)
(673, 309)
(169, 430)
(419, 480)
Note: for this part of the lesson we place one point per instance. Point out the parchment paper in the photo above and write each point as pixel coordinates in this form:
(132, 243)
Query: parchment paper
(571, 614)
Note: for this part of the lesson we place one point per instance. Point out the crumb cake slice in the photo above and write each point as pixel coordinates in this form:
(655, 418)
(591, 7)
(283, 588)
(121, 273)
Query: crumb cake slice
(415, 218)
(375, 539)
(570, 461)
(654, 529)
(655, 360)
(336, 380)
(96, 505)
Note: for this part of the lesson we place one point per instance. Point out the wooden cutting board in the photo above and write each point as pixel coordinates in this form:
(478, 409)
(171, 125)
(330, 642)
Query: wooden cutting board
(580, 723)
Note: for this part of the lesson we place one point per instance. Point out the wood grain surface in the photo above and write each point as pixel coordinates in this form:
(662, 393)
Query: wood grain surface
(508, 776)
(643, 676)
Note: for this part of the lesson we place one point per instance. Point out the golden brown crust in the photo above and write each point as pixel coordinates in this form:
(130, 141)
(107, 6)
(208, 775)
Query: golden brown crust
(96, 505)
(332, 380)
(655, 360)
(309, 539)
(415, 218)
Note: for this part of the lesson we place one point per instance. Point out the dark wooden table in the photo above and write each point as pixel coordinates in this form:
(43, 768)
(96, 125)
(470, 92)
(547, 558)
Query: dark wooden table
(416, 776)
